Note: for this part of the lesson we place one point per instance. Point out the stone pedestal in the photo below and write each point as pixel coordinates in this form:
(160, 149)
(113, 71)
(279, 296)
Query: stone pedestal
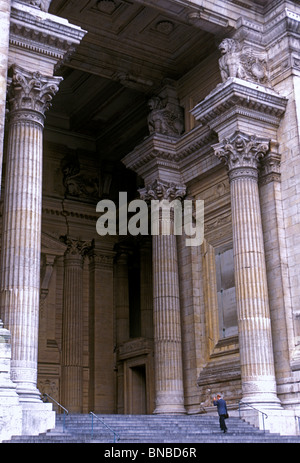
(10, 408)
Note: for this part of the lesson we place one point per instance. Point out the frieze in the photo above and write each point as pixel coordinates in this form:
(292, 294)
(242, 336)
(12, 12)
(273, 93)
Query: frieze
(58, 212)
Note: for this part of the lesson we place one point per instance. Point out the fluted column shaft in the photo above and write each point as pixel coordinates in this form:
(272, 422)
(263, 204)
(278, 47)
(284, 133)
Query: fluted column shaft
(241, 155)
(29, 97)
(166, 310)
(101, 331)
(5, 6)
(146, 291)
(72, 354)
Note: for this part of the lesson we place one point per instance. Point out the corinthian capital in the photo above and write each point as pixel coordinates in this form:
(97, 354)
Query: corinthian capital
(241, 154)
(76, 247)
(160, 190)
(31, 90)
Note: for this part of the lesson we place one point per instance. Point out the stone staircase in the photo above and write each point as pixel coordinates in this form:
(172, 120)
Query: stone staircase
(153, 429)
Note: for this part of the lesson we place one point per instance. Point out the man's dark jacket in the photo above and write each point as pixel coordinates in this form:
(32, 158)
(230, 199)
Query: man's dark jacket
(221, 406)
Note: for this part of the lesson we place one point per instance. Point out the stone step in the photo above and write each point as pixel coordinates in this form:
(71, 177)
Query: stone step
(153, 429)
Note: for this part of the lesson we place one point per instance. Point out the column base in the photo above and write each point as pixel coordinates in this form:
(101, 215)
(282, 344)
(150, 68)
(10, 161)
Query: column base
(270, 403)
(169, 403)
(24, 377)
(261, 392)
(28, 395)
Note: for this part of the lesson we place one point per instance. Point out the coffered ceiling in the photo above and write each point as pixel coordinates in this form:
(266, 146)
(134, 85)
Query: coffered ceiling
(129, 48)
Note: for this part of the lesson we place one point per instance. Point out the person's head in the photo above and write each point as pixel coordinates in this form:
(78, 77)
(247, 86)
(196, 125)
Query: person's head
(218, 396)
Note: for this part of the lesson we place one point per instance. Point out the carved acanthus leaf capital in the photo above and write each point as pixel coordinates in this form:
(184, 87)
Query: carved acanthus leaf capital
(160, 190)
(242, 153)
(270, 168)
(76, 247)
(31, 90)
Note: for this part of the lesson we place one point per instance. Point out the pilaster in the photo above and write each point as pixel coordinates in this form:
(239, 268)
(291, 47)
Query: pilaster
(146, 290)
(72, 354)
(101, 344)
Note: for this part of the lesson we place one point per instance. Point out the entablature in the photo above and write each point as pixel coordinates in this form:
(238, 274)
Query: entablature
(40, 38)
(179, 158)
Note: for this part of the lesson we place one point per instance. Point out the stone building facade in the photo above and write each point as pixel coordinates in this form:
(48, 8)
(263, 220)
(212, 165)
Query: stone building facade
(173, 99)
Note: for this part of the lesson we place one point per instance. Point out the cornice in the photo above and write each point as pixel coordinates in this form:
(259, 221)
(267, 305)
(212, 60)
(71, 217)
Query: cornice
(157, 149)
(278, 23)
(240, 98)
(72, 210)
(40, 32)
(162, 153)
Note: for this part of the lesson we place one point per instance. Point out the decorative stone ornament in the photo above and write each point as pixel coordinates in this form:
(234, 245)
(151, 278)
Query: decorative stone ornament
(241, 154)
(242, 62)
(164, 118)
(162, 190)
(106, 6)
(41, 4)
(31, 90)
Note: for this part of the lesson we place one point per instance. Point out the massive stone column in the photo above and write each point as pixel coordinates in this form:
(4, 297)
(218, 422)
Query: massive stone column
(72, 354)
(29, 97)
(166, 305)
(4, 45)
(241, 154)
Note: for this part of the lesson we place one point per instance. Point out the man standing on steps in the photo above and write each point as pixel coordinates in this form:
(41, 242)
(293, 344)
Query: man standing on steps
(222, 411)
